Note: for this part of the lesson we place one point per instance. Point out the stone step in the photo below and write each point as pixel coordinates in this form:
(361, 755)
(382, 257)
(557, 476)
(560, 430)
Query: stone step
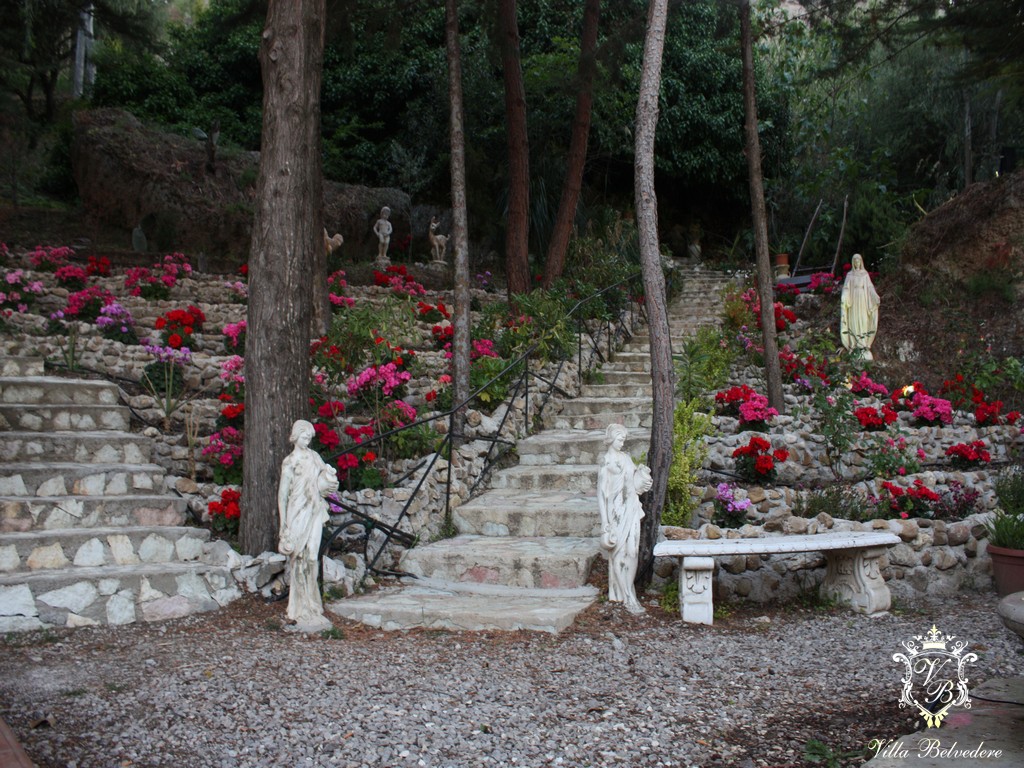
(25, 513)
(101, 447)
(529, 513)
(617, 391)
(54, 390)
(590, 405)
(54, 418)
(575, 446)
(67, 478)
(534, 562)
(22, 366)
(589, 421)
(614, 376)
(91, 547)
(435, 604)
(573, 478)
(113, 595)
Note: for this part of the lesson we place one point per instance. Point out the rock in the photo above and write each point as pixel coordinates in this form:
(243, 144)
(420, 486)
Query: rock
(1011, 611)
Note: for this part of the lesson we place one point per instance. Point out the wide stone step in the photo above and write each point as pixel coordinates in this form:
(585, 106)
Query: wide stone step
(51, 418)
(618, 391)
(535, 562)
(90, 547)
(66, 478)
(575, 446)
(584, 405)
(529, 513)
(113, 595)
(22, 366)
(100, 447)
(573, 478)
(26, 513)
(53, 390)
(589, 421)
(614, 376)
(435, 604)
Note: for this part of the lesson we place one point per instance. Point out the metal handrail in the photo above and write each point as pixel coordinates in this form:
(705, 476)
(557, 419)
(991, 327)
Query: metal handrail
(391, 531)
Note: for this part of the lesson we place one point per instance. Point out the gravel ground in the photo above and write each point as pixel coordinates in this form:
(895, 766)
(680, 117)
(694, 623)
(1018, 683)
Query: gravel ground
(234, 689)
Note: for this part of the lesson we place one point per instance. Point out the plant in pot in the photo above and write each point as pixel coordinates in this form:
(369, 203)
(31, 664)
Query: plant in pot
(1006, 533)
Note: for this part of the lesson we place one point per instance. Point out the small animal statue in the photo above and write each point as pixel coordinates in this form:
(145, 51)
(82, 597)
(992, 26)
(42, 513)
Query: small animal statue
(438, 242)
(331, 244)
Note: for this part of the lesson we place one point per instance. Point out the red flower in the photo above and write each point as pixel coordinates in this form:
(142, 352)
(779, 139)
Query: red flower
(369, 456)
(781, 455)
(160, 323)
(174, 341)
(764, 464)
(330, 409)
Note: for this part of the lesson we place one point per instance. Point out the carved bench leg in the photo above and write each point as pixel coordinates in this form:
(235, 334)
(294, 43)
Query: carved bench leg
(854, 577)
(695, 590)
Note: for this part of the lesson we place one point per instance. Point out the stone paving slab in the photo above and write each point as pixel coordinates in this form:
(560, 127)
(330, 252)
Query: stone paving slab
(538, 513)
(553, 478)
(69, 478)
(994, 723)
(50, 418)
(435, 604)
(53, 390)
(22, 513)
(575, 446)
(99, 447)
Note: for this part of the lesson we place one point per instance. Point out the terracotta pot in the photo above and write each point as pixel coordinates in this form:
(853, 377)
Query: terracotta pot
(781, 259)
(1007, 569)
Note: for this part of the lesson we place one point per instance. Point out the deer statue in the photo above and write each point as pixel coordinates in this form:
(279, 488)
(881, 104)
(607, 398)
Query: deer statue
(438, 242)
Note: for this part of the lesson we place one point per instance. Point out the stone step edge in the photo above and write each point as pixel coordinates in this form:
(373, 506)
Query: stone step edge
(494, 590)
(16, 537)
(91, 573)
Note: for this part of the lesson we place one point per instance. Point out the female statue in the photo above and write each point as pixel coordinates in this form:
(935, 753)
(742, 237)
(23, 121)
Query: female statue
(619, 485)
(305, 480)
(858, 310)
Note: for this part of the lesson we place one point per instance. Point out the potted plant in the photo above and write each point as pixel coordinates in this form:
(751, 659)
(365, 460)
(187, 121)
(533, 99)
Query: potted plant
(1006, 534)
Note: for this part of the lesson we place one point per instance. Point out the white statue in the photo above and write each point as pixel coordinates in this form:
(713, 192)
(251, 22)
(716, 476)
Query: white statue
(305, 480)
(438, 242)
(331, 244)
(382, 229)
(858, 310)
(619, 485)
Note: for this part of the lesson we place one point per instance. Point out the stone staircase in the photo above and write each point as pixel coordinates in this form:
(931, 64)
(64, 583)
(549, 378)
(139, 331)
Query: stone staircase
(526, 545)
(88, 531)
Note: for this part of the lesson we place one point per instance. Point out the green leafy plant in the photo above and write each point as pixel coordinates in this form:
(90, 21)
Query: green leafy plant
(1009, 488)
(689, 450)
(836, 423)
(670, 596)
(889, 454)
(837, 500)
(703, 363)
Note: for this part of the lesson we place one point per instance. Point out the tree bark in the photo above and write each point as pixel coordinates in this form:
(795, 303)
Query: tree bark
(460, 225)
(287, 236)
(659, 457)
(760, 219)
(577, 157)
(517, 220)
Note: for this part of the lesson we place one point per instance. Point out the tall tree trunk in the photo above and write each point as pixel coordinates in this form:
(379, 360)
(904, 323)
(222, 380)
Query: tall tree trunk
(517, 223)
(659, 457)
(576, 160)
(460, 221)
(287, 235)
(760, 220)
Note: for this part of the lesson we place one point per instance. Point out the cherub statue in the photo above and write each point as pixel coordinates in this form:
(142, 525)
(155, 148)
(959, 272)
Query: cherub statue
(331, 244)
(438, 242)
(305, 480)
(382, 229)
(619, 485)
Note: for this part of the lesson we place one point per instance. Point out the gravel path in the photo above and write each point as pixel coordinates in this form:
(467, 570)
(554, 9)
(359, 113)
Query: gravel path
(234, 689)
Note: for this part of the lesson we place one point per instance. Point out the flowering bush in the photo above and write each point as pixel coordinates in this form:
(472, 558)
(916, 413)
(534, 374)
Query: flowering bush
(864, 385)
(225, 514)
(964, 455)
(71, 276)
(443, 334)
(729, 401)
(824, 283)
(232, 373)
(224, 450)
(755, 413)
(116, 323)
(990, 413)
(98, 266)
(916, 500)
(482, 348)
(47, 259)
(729, 511)
(902, 397)
(387, 378)
(397, 278)
(16, 293)
(335, 292)
(872, 419)
(784, 316)
(804, 369)
(178, 326)
(157, 282)
(432, 313)
(930, 410)
(756, 460)
(87, 304)
(234, 336)
(232, 415)
(891, 455)
(239, 290)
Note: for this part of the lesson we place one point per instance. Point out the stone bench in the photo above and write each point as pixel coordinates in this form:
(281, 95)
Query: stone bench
(853, 576)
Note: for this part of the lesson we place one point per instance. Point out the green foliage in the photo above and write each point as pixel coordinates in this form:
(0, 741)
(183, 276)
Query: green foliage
(840, 501)
(1009, 488)
(997, 284)
(1006, 527)
(820, 753)
(836, 423)
(163, 380)
(689, 450)
(412, 443)
(670, 596)
(889, 454)
(702, 364)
